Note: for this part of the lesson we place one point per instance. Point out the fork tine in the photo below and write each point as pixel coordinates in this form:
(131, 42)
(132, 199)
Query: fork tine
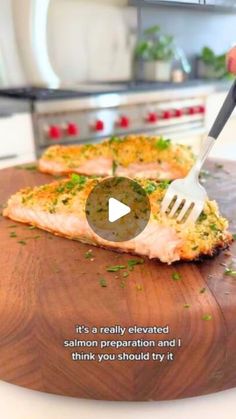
(175, 206)
(196, 211)
(168, 198)
(185, 208)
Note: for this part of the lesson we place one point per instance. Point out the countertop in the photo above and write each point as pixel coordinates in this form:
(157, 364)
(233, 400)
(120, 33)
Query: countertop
(19, 403)
(12, 106)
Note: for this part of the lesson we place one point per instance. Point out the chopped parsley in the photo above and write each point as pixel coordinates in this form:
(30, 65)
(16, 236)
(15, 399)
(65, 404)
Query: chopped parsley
(133, 262)
(115, 139)
(89, 254)
(187, 306)
(162, 144)
(31, 228)
(207, 317)
(13, 234)
(151, 187)
(164, 184)
(176, 276)
(22, 242)
(114, 167)
(103, 282)
(229, 271)
(202, 290)
(125, 274)
(115, 268)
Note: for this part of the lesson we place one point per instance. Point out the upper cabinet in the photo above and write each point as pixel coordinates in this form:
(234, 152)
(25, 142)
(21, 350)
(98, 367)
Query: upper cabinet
(220, 4)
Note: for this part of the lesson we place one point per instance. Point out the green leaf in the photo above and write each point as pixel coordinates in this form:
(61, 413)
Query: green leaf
(152, 30)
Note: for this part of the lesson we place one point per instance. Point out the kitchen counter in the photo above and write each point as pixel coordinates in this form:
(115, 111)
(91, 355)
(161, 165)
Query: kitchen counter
(13, 106)
(19, 403)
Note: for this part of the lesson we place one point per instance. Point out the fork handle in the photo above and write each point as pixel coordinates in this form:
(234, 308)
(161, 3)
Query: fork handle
(224, 113)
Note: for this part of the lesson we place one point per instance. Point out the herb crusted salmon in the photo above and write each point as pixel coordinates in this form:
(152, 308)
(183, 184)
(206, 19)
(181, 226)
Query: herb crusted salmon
(59, 207)
(132, 156)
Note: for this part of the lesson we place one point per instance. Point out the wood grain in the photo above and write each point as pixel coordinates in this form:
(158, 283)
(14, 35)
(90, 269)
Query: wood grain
(47, 286)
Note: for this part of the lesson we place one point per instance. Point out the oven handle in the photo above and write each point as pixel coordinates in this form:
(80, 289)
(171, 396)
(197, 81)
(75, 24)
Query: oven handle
(8, 157)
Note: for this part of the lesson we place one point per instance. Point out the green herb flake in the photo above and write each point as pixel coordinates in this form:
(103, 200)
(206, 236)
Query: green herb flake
(122, 284)
(151, 187)
(125, 274)
(234, 236)
(12, 234)
(214, 227)
(207, 317)
(176, 276)
(187, 306)
(103, 282)
(12, 226)
(22, 242)
(115, 268)
(202, 291)
(219, 166)
(230, 272)
(194, 248)
(133, 262)
(162, 144)
(31, 228)
(114, 167)
(89, 254)
(164, 184)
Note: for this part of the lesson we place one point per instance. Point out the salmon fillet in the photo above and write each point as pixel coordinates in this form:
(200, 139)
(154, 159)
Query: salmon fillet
(59, 207)
(131, 156)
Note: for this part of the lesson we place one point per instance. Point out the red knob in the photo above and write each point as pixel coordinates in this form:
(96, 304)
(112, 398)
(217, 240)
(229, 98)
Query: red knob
(54, 132)
(152, 117)
(166, 115)
(201, 109)
(99, 125)
(178, 113)
(192, 110)
(72, 129)
(123, 122)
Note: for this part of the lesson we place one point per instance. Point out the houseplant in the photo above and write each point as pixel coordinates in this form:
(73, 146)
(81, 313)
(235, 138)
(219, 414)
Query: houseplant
(211, 65)
(156, 51)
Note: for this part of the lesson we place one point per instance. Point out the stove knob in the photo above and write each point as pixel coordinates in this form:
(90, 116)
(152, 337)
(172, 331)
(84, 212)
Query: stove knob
(99, 125)
(201, 109)
(54, 132)
(123, 122)
(192, 110)
(166, 114)
(152, 118)
(72, 129)
(178, 113)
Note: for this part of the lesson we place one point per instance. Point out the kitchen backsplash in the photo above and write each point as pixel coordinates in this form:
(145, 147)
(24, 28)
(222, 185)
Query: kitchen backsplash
(193, 28)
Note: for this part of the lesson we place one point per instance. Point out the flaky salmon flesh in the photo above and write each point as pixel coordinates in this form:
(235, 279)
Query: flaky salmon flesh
(134, 156)
(59, 208)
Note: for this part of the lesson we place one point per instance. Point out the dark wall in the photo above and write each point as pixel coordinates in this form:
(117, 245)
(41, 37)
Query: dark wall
(193, 28)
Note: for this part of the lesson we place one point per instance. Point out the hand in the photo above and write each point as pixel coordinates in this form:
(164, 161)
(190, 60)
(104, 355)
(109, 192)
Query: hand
(231, 60)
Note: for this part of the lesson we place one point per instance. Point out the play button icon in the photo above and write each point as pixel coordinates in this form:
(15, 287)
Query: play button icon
(117, 209)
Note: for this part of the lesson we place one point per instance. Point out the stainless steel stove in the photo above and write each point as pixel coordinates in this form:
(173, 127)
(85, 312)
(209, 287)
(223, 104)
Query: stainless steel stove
(91, 112)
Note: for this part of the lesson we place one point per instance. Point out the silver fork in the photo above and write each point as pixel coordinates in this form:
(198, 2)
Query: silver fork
(185, 198)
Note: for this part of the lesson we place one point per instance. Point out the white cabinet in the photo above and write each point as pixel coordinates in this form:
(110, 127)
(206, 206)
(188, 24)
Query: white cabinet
(16, 139)
(225, 146)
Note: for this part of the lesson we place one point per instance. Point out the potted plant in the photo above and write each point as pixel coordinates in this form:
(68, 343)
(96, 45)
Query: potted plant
(156, 52)
(211, 66)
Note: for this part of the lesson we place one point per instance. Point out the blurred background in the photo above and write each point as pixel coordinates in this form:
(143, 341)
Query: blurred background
(75, 71)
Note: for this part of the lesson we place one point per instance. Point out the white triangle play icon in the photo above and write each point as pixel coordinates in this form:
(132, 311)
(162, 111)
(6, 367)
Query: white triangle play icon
(116, 210)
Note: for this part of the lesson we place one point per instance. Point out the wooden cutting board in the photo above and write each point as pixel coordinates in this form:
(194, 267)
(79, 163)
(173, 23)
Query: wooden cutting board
(48, 286)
